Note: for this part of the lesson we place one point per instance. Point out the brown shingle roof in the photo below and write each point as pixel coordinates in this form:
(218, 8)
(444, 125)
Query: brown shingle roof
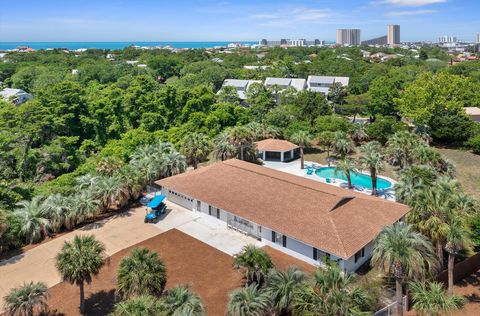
(329, 218)
(272, 144)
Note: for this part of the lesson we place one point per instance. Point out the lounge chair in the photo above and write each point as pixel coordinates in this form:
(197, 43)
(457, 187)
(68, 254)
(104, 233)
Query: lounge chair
(309, 171)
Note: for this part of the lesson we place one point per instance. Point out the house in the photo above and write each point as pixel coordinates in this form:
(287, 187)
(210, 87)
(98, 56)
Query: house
(284, 83)
(277, 150)
(17, 96)
(473, 113)
(240, 85)
(301, 217)
(323, 84)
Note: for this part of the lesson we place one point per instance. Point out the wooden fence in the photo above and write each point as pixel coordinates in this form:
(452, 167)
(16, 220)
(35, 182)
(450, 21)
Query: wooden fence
(461, 270)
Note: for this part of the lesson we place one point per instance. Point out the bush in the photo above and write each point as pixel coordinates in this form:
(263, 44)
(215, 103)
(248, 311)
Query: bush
(332, 123)
(383, 128)
(474, 144)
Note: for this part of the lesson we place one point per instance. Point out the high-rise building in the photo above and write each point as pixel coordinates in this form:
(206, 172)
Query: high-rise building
(393, 34)
(348, 36)
(447, 39)
(478, 38)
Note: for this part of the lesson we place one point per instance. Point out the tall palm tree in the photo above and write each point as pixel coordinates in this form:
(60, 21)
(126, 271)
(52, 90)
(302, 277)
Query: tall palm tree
(358, 133)
(181, 301)
(248, 301)
(346, 166)
(141, 273)
(429, 298)
(33, 218)
(401, 147)
(223, 149)
(331, 292)
(144, 305)
(302, 139)
(458, 238)
(27, 300)
(242, 138)
(281, 286)
(196, 147)
(403, 254)
(79, 260)
(255, 263)
(343, 145)
(371, 159)
(326, 139)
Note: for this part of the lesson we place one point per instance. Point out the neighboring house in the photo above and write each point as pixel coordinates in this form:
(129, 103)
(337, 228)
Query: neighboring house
(323, 84)
(217, 60)
(284, 83)
(277, 150)
(301, 217)
(240, 85)
(17, 96)
(473, 113)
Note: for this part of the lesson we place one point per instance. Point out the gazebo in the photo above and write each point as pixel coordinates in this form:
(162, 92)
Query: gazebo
(277, 150)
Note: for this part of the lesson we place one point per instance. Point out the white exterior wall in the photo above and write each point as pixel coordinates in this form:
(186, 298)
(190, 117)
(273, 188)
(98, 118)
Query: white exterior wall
(350, 264)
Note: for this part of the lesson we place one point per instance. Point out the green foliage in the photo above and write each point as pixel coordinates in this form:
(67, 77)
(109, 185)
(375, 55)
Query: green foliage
(254, 262)
(383, 127)
(28, 299)
(430, 298)
(474, 144)
(332, 123)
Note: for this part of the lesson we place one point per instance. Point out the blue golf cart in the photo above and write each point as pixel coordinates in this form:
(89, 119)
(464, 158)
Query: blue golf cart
(155, 208)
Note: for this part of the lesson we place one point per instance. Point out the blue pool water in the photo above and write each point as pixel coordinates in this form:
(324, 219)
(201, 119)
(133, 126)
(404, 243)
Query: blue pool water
(360, 179)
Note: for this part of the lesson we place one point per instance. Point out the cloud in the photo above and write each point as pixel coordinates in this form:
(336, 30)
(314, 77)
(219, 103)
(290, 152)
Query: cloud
(284, 18)
(405, 13)
(409, 3)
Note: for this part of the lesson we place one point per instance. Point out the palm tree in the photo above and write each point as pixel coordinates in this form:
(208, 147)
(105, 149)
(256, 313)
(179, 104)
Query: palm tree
(223, 149)
(82, 205)
(111, 191)
(56, 206)
(372, 160)
(248, 301)
(86, 181)
(343, 145)
(401, 147)
(108, 165)
(141, 273)
(331, 292)
(33, 218)
(412, 181)
(27, 300)
(144, 305)
(346, 166)
(358, 133)
(180, 300)
(241, 137)
(458, 238)
(430, 299)
(302, 139)
(196, 147)
(79, 260)
(327, 140)
(402, 253)
(255, 263)
(173, 163)
(281, 286)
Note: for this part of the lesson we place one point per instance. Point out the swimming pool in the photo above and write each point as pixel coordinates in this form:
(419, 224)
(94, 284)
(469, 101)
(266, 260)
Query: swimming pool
(360, 179)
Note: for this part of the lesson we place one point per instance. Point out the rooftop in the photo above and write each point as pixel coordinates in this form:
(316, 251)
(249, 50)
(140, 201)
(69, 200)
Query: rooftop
(472, 110)
(272, 144)
(329, 218)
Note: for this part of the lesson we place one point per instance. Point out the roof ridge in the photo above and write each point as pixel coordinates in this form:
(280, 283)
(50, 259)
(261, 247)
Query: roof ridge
(283, 180)
(337, 235)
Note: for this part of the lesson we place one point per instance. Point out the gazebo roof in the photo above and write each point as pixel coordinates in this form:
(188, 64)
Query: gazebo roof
(272, 144)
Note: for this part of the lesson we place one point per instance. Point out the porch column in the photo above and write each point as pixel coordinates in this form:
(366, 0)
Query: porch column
(263, 156)
(281, 156)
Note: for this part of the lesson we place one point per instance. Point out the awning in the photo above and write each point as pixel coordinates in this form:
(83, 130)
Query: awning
(155, 202)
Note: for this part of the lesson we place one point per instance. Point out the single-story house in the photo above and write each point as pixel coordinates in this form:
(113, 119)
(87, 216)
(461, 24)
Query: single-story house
(277, 150)
(473, 112)
(17, 96)
(301, 217)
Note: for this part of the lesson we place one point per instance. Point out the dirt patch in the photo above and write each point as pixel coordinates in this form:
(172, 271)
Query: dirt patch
(282, 261)
(189, 261)
(470, 288)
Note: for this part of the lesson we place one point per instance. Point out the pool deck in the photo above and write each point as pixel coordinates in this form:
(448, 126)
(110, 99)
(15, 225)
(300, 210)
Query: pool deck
(293, 167)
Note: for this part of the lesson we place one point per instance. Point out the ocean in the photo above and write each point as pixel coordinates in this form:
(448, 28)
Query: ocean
(112, 45)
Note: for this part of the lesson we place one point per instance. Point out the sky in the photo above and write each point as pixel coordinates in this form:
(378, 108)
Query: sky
(246, 20)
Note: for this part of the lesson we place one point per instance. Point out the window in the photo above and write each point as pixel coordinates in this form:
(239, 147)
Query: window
(359, 254)
(284, 241)
(209, 210)
(274, 237)
(315, 254)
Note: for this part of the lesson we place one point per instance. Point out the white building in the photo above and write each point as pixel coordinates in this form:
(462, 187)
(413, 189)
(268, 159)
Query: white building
(446, 39)
(17, 96)
(393, 35)
(240, 85)
(478, 38)
(348, 37)
(323, 84)
(284, 83)
(301, 217)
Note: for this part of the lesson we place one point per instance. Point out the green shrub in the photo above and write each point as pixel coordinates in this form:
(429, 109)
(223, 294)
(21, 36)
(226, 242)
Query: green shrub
(474, 144)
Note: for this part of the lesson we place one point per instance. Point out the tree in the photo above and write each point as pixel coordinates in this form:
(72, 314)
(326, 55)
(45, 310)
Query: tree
(242, 138)
(180, 300)
(79, 260)
(223, 149)
(337, 93)
(401, 147)
(27, 300)
(382, 91)
(141, 273)
(343, 145)
(143, 305)
(402, 254)
(372, 159)
(196, 147)
(326, 139)
(358, 133)
(248, 301)
(34, 219)
(302, 139)
(458, 238)
(429, 298)
(346, 166)
(282, 286)
(332, 123)
(255, 263)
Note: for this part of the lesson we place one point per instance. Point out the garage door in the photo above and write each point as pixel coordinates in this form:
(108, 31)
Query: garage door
(180, 199)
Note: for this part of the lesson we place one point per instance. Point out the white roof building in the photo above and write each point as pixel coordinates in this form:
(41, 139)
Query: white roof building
(17, 96)
(284, 83)
(240, 85)
(322, 84)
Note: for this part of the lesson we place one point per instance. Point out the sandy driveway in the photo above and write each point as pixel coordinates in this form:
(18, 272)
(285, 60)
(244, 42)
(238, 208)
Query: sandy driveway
(38, 264)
